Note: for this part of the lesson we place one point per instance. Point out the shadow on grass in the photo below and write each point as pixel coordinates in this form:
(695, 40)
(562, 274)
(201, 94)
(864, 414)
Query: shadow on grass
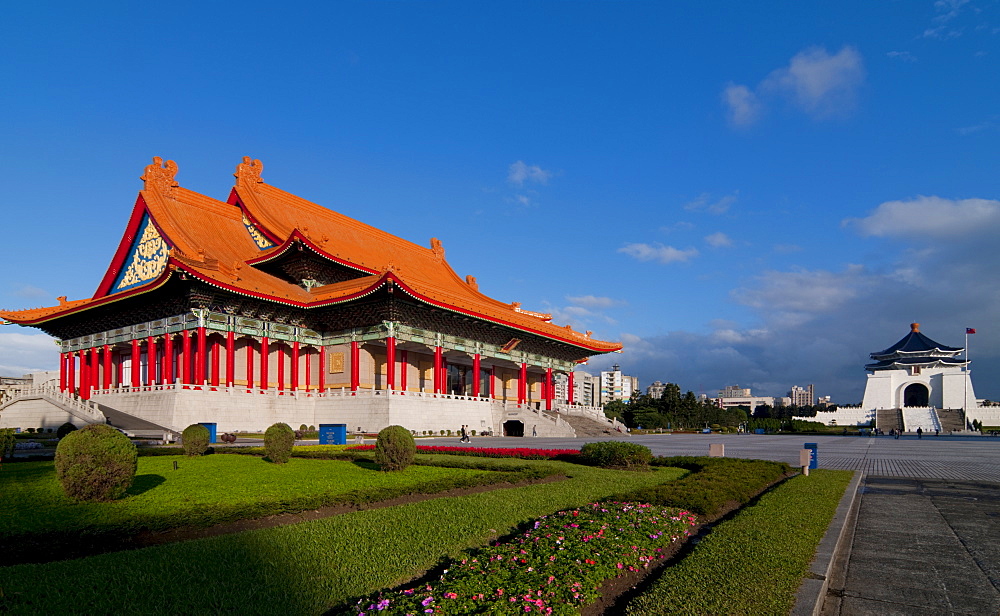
(366, 464)
(144, 483)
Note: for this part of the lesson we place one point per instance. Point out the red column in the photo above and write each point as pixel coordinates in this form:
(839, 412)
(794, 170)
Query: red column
(322, 370)
(264, 352)
(390, 363)
(437, 370)
(295, 365)
(84, 376)
(569, 395)
(230, 358)
(106, 351)
(522, 385)
(493, 382)
(70, 373)
(168, 359)
(185, 357)
(355, 371)
(95, 370)
(200, 358)
(250, 363)
(216, 360)
(444, 375)
(475, 376)
(548, 389)
(308, 368)
(151, 361)
(404, 363)
(136, 358)
(280, 353)
(62, 372)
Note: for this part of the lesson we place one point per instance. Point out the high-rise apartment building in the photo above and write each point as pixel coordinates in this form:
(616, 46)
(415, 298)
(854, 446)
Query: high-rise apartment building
(617, 386)
(802, 396)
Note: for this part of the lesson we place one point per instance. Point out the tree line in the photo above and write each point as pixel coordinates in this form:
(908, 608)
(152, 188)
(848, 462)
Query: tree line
(686, 412)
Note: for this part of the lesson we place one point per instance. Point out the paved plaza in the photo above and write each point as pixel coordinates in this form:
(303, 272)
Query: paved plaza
(973, 458)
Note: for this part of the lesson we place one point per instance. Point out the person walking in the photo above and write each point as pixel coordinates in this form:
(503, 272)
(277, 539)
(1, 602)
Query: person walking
(533, 431)
(920, 432)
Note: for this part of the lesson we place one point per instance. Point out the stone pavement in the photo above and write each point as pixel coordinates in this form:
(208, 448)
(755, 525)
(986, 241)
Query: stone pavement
(919, 547)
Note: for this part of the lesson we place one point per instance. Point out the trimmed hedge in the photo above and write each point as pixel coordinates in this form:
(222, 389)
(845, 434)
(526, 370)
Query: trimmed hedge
(97, 463)
(395, 448)
(278, 442)
(713, 483)
(194, 439)
(616, 454)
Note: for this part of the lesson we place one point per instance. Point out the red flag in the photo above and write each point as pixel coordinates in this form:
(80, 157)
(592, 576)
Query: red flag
(970, 330)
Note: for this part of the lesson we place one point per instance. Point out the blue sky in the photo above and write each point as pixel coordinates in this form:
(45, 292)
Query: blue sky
(741, 195)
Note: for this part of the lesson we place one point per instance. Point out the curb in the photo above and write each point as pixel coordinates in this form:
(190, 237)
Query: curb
(812, 592)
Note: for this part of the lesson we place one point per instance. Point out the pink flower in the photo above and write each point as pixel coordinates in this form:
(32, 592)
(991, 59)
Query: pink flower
(450, 595)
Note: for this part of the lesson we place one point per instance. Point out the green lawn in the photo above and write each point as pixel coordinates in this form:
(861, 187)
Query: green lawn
(754, 563)
(304, 568)
(203, 490)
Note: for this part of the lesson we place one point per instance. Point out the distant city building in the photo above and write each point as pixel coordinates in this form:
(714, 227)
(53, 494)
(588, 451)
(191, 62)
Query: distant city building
(734, 395)
(802, 396)
(656, 389)
(734, 391)
(584, 385)
(616, 386)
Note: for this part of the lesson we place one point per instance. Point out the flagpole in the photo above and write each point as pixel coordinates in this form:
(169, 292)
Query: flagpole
(965, 398)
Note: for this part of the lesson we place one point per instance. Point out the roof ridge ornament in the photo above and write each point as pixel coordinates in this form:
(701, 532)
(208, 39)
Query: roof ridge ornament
(159, 176)
(248, 173)
(437, 248)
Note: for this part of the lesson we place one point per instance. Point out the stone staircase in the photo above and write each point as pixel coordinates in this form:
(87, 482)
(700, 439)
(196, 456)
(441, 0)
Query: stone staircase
(920, 417)
(889, 419)
(589, 428)
(952, 420)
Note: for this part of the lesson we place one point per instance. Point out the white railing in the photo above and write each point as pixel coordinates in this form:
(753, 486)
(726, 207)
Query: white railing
(60, 398)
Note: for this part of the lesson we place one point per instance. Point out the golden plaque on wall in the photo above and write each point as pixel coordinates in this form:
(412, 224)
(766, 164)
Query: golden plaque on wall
(336, 361)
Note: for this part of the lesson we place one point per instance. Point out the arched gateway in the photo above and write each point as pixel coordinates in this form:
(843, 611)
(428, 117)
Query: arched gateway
(267, 307)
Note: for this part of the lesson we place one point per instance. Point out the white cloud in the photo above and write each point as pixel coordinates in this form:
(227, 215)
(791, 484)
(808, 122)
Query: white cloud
(787, 248)
(820, 84)
(592, 301)
(519, 173)
(930, 217)
(905, 56)
(718, 240)
(24, 353)
(742, 104)
(28, 291)
(523, 199)
(705, 203)
(658, 252)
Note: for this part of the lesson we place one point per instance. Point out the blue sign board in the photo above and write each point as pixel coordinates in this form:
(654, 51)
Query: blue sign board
(333, 434)
(211, 431)
(813, 458)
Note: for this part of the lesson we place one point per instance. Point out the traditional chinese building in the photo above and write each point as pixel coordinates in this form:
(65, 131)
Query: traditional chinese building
(268, 307)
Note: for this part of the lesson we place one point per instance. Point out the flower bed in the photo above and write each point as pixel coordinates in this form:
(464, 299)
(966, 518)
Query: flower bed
(524, 453)
(554, 567)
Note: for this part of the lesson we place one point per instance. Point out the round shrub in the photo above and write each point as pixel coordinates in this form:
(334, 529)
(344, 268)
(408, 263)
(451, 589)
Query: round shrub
(97, 463)
(616, 454)
(395, 448)
(278, 442)
(194, 438)
(65, 429)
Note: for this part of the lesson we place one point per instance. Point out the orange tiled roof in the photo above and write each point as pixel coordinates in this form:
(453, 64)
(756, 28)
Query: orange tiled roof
(209, 240)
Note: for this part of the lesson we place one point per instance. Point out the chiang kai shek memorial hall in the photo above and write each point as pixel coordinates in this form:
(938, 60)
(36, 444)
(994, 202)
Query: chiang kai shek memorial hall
(268, 307)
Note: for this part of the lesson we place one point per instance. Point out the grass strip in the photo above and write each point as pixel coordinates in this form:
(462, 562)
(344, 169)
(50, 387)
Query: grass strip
(713, 485)
(303, 568)
(754, 563)
(208, 490)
